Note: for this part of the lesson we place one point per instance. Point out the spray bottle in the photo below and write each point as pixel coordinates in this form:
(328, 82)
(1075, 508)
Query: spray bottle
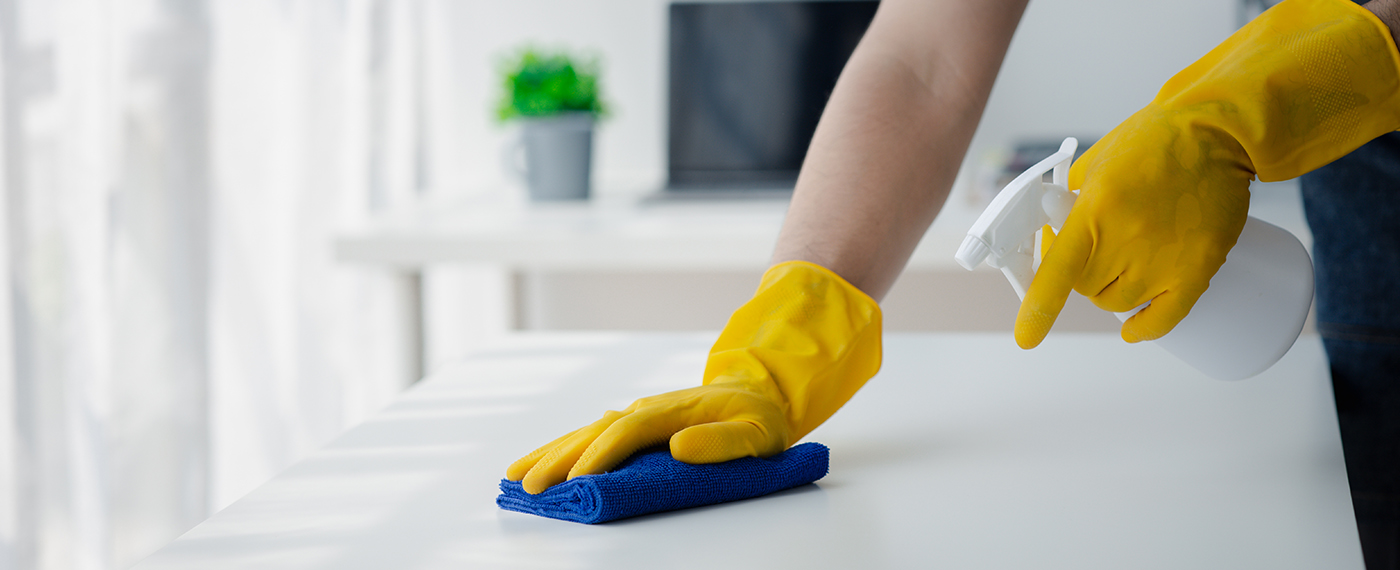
(1247, 319)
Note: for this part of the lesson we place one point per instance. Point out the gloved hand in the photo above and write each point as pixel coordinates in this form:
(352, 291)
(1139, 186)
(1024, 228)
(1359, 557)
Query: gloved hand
(1164, 196)
(785, 362)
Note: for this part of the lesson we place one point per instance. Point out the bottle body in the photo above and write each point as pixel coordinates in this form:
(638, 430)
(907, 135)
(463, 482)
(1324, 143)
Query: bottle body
(1253, 310)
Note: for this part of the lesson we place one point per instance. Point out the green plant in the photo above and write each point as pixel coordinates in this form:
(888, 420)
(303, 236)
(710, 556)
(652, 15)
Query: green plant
(540, 84)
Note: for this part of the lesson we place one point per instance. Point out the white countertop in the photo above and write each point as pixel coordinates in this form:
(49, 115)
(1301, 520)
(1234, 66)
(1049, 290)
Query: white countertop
(965, 452)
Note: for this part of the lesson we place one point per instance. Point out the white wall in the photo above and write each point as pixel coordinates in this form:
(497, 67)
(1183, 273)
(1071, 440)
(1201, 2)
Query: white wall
(1075, 67)
(1082, 66)
(629, 35)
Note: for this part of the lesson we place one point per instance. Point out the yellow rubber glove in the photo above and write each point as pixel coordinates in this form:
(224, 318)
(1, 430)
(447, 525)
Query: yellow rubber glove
(785, 362)
(1164, 196)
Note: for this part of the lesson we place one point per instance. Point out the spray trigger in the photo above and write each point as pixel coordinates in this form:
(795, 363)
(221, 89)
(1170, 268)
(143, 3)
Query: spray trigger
(1004, 235)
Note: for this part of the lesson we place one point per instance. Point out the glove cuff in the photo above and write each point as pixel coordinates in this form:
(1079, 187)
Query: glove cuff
(1303, 84)
(808, 340)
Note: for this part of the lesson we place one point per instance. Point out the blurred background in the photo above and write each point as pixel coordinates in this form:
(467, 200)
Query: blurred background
(232, 228)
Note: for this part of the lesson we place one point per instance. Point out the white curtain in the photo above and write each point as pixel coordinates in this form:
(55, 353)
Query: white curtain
(175, 329)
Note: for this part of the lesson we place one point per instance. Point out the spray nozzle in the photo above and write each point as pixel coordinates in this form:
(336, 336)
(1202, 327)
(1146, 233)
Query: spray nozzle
(1004, 236)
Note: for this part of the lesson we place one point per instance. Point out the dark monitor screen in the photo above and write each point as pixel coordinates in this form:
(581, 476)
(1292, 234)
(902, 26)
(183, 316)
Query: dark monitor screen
(748, 81)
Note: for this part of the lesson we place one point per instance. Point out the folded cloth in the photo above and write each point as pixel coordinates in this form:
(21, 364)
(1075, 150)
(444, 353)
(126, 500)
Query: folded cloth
(654, 482)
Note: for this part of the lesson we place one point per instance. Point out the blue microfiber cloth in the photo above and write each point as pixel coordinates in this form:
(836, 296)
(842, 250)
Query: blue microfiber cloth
(654, 482)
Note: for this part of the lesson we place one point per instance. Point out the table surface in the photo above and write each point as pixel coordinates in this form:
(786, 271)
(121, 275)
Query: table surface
(965, 452)
(628, 231)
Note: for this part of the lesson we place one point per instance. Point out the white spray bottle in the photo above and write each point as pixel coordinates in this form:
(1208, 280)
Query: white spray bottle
(1244, 323)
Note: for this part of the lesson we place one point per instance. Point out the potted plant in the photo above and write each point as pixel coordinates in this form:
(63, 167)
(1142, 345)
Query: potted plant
(555, 98)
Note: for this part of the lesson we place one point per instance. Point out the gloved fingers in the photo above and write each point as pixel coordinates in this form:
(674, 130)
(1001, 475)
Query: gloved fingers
(1058, 274)
(718, 442)
(553, 468)
(647, 427)
(517, 470)
(1159, 318)
(1123, 294)
(1103, 269)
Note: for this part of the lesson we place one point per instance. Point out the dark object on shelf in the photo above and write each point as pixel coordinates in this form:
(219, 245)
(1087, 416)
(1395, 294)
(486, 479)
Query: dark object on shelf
(748, 81)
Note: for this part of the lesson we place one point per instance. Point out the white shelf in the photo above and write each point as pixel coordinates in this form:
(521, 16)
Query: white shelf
(627, 231)
(610, 233)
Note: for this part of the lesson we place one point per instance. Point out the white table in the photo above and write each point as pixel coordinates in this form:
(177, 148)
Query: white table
(965, 452)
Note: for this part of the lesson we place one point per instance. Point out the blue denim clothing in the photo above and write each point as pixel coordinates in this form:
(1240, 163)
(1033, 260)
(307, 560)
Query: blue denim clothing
(1353, 208)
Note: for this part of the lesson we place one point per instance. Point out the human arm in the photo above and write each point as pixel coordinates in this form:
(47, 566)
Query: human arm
(1388, 11)
(894, 133)
(879, 167)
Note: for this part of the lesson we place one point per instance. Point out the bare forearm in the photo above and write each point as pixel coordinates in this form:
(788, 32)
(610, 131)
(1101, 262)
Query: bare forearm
(1388, 11)
(893, 136)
